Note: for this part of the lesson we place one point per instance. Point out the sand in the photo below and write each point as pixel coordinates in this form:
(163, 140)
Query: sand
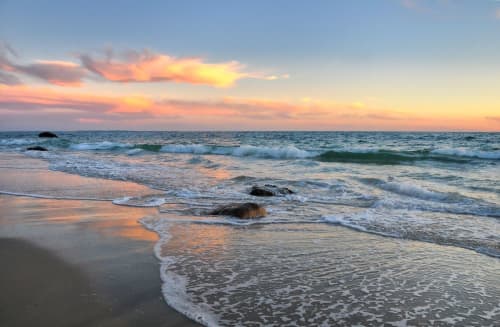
(78, 263)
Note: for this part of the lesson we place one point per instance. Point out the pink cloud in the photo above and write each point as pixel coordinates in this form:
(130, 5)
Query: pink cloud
(72, 110)
(90, 120)
(147, 66)
(9, 79)
(61, 73)
(132, 66)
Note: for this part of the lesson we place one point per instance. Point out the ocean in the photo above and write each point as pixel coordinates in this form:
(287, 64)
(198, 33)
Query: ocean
(382, 228)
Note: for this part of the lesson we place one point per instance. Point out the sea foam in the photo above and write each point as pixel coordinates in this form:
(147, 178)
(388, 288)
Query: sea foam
(462, 152)
(105, 145)
(287, 152)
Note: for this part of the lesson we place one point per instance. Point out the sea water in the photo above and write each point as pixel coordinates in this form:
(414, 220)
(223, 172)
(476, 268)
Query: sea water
(395, 228)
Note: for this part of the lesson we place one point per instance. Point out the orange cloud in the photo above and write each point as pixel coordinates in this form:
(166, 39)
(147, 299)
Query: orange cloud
(133, 66)
(71, 110)
(147, 66)
(24, 98)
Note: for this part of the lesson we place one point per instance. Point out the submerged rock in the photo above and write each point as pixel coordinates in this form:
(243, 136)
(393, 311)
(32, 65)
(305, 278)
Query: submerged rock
(36, 148)
(247, 210)
(269, 190)
(47, 134)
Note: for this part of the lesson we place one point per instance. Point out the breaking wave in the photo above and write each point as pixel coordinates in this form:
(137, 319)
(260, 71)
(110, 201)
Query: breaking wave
(362, 156)
(99, 146)
(288, 152)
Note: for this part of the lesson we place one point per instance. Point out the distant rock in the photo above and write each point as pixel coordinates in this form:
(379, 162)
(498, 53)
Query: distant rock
(36, 148)
(269, 190)
(47, 134)
(247, 210)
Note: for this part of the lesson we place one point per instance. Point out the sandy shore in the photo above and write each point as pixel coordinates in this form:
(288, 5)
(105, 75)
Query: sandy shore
(78, 263)
(39, 288)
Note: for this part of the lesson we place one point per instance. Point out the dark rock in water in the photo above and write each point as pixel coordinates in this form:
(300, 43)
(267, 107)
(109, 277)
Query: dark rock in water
(36, 148)
(247, 210)
(269, 190)
(261, 191)
(47, 134)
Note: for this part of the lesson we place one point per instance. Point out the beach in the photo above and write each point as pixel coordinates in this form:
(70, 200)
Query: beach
(108, 233)
(78, 263)
(250, 163)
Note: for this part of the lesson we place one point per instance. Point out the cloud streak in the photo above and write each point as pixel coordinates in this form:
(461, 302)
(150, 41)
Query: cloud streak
(132, 66)
(62, 73)
(9, 79)
(76, 110)
(147, 66)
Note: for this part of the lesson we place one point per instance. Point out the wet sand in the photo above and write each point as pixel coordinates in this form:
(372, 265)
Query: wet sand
(79, 263)
(39, 288)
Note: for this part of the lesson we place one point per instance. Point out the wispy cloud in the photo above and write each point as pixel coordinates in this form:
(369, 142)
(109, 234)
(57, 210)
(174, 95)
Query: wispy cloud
(61, 73)
(131, 66)
(9, 79)
(148, 66)
(497, 13)
(72, 109)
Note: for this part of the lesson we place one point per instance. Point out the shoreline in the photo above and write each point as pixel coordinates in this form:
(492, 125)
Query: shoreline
(79, 263)
(268, 273)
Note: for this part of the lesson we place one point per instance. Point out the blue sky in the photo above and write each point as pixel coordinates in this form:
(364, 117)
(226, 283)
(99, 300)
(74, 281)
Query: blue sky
(341, 52)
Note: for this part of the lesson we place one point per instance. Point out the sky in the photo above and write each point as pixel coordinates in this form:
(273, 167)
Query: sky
(395, 65)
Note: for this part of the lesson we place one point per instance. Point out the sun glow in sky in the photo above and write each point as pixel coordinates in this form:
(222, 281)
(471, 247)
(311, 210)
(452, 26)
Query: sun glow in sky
(256, 65)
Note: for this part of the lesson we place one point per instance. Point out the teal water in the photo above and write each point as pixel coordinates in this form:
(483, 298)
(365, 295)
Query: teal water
(403, 179)
(440, 190)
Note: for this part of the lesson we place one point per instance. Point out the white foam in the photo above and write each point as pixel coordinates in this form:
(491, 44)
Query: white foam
(134, 152)
(174, 291)
(17, 141)
(105, 145)
(477, 234)
(174, 286)
(462, 152)
(287, 152)
(252, 278)
(189, 148)
(146, 201)
(413, 191)
(42, 196)
(338, 220)
(187, 194)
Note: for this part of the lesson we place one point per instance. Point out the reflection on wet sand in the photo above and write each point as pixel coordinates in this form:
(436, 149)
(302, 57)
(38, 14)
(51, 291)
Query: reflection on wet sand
(103, 243)
(41, 182)
(103, 217)
(200, 240)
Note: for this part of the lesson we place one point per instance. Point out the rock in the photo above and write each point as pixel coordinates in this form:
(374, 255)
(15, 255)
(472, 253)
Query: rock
(247, 210)
(269, 190)
(47, 134)
(36, 148)
(261, 191)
